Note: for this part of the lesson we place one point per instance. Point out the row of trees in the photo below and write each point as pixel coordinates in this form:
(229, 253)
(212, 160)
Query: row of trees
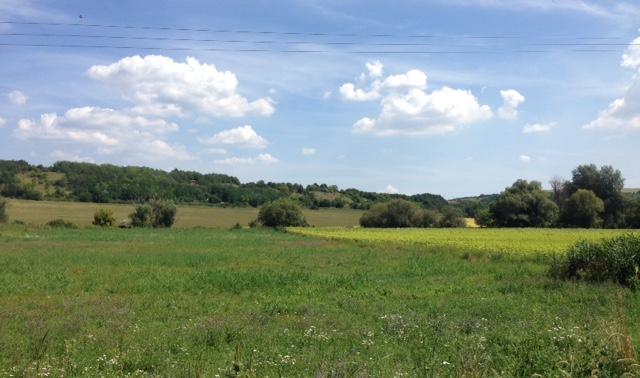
(401, 213)
(106, 183)
(592, 198)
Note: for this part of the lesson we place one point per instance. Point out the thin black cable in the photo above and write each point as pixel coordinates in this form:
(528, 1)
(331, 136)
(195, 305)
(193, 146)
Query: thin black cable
(347, 43)
(289, 33)
(381, 52)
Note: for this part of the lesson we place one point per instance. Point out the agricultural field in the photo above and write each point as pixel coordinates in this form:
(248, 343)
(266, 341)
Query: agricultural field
(81, 213)
(508, 240)
(257, 303)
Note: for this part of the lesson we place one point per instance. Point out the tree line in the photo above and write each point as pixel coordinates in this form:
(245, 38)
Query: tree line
(107, 183)
(592, 198)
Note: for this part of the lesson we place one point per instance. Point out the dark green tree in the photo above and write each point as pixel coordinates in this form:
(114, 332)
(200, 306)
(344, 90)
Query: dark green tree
(281, 213)
(523, 204)
(393, 214)
(582, 209)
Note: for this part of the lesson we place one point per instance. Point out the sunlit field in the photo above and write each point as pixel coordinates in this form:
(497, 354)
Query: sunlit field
(516, 241)
(256, 303)
(81, 214)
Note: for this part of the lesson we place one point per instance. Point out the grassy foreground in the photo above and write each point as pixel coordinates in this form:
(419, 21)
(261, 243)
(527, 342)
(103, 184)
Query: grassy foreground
(261, 303)
(81, 213)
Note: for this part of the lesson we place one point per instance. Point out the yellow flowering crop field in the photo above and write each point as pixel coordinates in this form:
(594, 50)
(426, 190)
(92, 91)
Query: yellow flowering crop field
(524, 241)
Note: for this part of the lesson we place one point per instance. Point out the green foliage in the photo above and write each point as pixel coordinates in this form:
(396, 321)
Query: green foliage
(141, 216)
(523, 204)
(402, 214)
(616, 260)
(155, 213)
(163, 213)
(3, 211)
(607, 183)
(61, 223)
(484, 218)
(104, 218)
(452, 217)
(393, 214)
(582, 209)
(281, 213)
(430, 218)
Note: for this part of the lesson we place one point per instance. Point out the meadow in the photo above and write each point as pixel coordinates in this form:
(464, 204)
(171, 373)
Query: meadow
(205, 302)
(546, 241)
(81, 214)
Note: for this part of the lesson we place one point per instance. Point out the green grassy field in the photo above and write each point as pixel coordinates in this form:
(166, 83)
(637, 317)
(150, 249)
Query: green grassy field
(81, 213)
(196, 302)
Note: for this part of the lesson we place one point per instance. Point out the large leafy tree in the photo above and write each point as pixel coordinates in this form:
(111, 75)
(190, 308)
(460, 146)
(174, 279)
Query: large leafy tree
(583, 209)
(523, 204)
(607, 184)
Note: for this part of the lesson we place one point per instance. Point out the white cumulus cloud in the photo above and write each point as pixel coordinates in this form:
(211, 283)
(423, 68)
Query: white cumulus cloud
(240, 136)
(2, 122)
(17, 97)
(525, 158)
(262, 158)
(537, 128)
(408, 109)
(375, 68)
(159, 85)
(391, 189)
(67, 156)
(309, 151)
(349, 92)
(511, 100)
(108, 131)
(624, 112)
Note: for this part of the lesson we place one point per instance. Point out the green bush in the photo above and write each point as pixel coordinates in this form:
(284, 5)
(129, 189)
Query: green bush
(104, 218)
(393, 214)
(430, 218)
(281, 213)
(616, 260)
(141, 216)
(3, 211)
(61, 223)
(452, 217)
(163, 214)
(583, 209)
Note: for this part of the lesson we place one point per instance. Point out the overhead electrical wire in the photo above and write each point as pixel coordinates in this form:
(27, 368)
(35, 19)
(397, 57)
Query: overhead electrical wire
(290, 33)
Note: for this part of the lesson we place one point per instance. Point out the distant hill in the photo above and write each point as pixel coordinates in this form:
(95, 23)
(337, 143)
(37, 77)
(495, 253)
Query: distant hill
(85, 182)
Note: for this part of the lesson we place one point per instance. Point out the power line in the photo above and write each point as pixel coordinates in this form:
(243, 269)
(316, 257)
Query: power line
(292, 33)
(343, 43)
(221, 49)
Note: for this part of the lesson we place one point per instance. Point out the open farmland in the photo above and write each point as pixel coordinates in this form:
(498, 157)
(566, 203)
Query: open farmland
(510, 240)
(81, 214)
(144, 302)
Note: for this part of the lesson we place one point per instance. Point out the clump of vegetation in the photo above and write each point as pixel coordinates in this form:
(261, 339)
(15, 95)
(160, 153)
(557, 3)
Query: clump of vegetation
(523, 204)
(402, 214)
(281, 213)
(104, 218)
(583, 209)
(155, 213)
(61, 223)
(3, 211)
(616, 260)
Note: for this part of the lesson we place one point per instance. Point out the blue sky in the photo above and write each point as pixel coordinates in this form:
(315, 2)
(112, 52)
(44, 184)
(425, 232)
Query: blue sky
(468, 118)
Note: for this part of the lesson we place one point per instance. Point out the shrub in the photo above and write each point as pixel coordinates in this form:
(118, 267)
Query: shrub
(616, 260)
(430, 218)
(141, 216)
(484, 218)
(163, 214)
(452, 217)
(104, 218)
(3, 211)
(583, 209)
(281, 213)
(393, 214)
(61, 223)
